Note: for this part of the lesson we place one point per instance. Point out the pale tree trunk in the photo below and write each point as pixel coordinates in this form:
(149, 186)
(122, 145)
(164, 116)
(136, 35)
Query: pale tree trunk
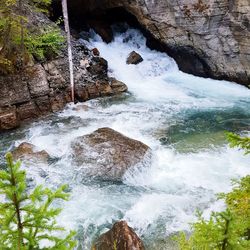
(67, 30)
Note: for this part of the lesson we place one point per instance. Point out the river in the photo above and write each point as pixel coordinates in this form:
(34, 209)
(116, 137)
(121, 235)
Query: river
(180, 116)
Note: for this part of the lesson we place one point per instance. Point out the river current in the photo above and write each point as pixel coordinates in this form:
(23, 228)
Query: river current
(180, 116)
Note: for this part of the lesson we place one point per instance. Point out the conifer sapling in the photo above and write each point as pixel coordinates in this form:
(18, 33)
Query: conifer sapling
(27, 219)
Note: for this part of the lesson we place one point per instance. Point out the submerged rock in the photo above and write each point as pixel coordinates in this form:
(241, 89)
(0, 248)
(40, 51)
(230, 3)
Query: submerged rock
(107, 154)
(134, 58)
(120, 237)
(28, 151)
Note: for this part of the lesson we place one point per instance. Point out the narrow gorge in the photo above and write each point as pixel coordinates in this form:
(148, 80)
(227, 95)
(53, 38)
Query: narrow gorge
(157, 84)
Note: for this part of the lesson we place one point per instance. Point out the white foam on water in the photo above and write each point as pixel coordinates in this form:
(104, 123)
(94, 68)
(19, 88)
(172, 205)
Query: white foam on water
(166, 193)
(157, 78)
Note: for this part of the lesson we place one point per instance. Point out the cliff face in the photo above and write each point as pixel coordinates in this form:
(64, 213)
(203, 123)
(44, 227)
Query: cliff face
(44, 88)
(208, 38)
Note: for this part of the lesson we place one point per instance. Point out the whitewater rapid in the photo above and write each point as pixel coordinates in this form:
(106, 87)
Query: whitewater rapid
(180, 116)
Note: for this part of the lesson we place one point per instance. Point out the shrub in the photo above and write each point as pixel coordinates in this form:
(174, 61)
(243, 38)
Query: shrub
(229, 229)
(18, 41)
(45, 44)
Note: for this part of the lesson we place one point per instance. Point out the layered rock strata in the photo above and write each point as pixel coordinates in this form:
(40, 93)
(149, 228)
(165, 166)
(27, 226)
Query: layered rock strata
(44, 88)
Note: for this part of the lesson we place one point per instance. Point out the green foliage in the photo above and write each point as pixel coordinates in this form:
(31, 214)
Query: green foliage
(46, 44)
(27, 218)
(12, 32)
(238, 202)
(223, 230)
(229, 229)
(20, 41)
(237, 141)
(42, 5)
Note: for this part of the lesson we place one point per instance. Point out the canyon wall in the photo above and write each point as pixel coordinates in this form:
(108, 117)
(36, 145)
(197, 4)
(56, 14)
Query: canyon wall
(207, 38)
(43, 88)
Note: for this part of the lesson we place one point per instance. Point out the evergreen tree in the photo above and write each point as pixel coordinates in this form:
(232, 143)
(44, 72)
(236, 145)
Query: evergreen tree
(229, 229)
(238, 141)
(27, 218)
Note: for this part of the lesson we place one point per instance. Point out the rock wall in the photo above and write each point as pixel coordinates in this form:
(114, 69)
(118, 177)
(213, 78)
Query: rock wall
(44, 88)
(207, 38)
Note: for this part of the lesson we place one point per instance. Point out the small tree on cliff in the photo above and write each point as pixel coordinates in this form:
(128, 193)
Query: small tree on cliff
(27, 218)
(20, 41)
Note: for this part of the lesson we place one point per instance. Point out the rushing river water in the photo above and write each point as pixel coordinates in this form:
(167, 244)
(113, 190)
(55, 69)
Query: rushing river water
(180, 116)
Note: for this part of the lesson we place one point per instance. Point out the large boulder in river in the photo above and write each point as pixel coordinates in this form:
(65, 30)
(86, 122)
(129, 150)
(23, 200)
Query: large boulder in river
(134, 58)
(107, 154)
(120, 237)
(29, 151)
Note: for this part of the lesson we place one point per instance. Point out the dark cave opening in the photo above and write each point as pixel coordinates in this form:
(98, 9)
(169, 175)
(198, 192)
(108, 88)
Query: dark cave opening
(100, 19)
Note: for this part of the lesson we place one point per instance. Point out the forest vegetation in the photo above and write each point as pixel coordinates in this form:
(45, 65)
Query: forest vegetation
(230, 228)
(22, 42)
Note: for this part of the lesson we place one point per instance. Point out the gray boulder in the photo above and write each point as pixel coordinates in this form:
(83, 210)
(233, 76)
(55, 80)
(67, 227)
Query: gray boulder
(108, 154)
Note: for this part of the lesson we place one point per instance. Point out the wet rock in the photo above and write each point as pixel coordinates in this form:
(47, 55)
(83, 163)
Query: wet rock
(95, 52)
(104, 88)
(28, 151)
(58, 102)
(81, 93)
(8, 118)
(117, 86)
(54, 77)
(99, 67)
(81, 107)
(40, 89)
(107, 154)
(43, 104)
(103, 29)
(38, 84)
(120, 237)
(14, 90)
(93, 91)
(27, 111)
(84, 35)
(206, 38)
(134, 58)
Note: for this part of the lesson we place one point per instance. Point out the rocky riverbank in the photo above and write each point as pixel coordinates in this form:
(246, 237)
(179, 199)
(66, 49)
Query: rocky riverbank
(209, 39)
(43, 88)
